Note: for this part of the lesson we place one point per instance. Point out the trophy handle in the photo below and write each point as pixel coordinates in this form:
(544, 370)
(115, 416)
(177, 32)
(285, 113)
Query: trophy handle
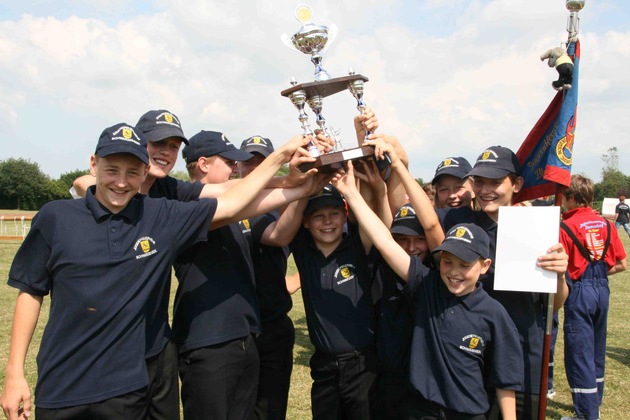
(332, 33)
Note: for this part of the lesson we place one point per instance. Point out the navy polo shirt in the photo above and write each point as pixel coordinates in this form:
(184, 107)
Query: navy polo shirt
(102, 271)
(394, 317)
(527, 310)
(158, 328)
(215, 301)
(336, 293)
(270, 269)
(460, 345)
(175, 189)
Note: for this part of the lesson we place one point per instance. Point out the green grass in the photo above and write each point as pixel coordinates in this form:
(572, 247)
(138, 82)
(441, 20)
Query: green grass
(616, 402)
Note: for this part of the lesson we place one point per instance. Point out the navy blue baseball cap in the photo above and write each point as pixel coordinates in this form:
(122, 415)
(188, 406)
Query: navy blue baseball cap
(496, 162)
(406, 222)
(257, 144)
(466, 241)
(160, 124)
(328, 197)
(122, 138)
(210, 143)
(454, 166)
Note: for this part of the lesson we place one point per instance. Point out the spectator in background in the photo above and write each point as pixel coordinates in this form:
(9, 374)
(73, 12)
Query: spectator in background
(622, 214)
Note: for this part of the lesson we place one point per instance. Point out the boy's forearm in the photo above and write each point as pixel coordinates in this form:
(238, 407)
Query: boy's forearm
(287, 226)
(234, 200)
(379, 234)
(562, 292)
(82, 183)
(422, 205)
(25, 318)
(620, 265)
(507, 403)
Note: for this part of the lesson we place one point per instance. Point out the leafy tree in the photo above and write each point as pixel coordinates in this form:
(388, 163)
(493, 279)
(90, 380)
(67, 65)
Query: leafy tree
(611, 160)
(614, 183)
(67, 178)
(181, 175)
(420, 181)
(23, 185)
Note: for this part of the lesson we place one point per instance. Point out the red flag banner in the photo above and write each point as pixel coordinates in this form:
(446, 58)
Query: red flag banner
(546, 155)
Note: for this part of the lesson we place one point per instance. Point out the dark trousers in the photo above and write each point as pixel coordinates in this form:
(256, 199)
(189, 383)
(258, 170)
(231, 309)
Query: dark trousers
(417, 407)
(132, 405)
(526, 407)
(220, 381)
(393, 386)
(163, 392)
(343, 385)
(275, 350)
(585, 321)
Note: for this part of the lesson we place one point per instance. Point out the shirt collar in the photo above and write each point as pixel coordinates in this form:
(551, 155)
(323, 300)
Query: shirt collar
(471, 300)
(131, 212)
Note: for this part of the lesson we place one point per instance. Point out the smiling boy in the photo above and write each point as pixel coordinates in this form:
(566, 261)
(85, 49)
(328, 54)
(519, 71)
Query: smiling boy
(495, 181)
(453, 188)
(459, 331)
(106, 257)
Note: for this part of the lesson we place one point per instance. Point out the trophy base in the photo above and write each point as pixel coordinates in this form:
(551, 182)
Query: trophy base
(324, 88)
(330, 162)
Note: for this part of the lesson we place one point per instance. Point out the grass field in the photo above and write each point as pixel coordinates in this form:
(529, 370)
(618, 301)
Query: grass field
(616, 402)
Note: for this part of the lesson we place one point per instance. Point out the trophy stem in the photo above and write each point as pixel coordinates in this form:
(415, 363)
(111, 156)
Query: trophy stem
(356, 88)
(320, 73)
(298, 98)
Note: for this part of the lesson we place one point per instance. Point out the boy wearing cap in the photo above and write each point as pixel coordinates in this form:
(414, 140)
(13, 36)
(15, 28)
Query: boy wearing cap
(394, 316)
(336, 279)
(595, 251)
(105, 256)
(453, 187)
(275, 344)
(463, 341)
(216, 312)
(495, 181)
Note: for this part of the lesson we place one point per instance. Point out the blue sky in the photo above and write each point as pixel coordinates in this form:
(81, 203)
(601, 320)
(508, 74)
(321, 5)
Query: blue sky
(446, 77)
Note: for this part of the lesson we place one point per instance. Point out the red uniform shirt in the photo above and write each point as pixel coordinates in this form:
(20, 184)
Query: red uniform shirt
(590, 229)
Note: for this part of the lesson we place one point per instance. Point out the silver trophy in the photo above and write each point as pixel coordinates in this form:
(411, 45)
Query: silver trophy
(312, 40)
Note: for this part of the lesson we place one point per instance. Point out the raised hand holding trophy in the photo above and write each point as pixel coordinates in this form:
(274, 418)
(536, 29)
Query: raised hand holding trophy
(313, 39)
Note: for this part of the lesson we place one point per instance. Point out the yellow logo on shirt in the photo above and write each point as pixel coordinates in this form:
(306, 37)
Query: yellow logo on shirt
(474, 342)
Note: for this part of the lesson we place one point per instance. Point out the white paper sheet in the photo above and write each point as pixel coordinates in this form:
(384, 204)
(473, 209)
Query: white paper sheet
(524, 234)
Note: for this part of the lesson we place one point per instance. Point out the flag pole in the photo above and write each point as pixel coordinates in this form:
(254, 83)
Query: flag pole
(544, 371)
(573, 28)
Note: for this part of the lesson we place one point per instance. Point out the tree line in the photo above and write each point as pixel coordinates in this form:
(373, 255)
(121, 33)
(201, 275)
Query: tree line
(24, 186)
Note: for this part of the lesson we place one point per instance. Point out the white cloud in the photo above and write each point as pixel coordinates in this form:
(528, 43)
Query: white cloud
(476, 82)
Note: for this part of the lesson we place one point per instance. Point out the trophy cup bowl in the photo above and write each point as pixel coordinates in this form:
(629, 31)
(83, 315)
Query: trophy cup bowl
(575, 5)
(310, 39)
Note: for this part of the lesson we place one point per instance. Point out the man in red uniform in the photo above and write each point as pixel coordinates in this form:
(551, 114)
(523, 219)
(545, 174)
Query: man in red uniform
(595, 251)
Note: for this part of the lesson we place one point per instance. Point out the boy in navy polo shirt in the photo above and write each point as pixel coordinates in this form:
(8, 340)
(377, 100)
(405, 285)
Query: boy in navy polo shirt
(336, 279)
(495, 181)
(216, 312)
(453, 188)
(463, 341)
(595, 251)
(104, 256)
(275, 344)
(394, 315)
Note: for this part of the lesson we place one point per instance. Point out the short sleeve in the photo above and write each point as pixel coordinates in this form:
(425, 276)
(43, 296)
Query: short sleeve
(29, 271)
